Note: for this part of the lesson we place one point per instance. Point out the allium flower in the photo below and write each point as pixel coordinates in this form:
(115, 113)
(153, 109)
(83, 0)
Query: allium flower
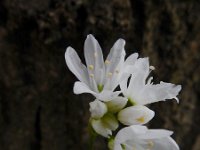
(103, 120)
(142, 91)
(138, 137)
(100, 77)
(135, 115)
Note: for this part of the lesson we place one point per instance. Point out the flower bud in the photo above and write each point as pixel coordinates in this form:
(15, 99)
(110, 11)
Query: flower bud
(97, 109)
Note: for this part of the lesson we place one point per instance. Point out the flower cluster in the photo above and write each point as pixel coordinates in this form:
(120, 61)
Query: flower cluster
(122, 88)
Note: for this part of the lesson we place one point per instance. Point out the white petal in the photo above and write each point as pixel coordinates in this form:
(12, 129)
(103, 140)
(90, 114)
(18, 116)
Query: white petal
(105, 125)
(117, 147)
(124, 85)
(165, 144)
(116, 104)
(138, 129)
(128, 134)
(139, 137)
(113, 62)
(138, 78)
(116, 53)
(129, 64)
(135, 115)
(80, 87)
(97, 109)
(107, 95)
(94, 58)
(110, 121)
(74, 64)
(159, 92)
(123, 135)
(131, 59)
(156, 134)
(100, 128)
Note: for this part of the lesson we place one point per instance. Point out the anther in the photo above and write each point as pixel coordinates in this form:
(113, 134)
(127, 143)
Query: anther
(150, 144)
(152, 67)
(91, 67)
(92, 75)
(141, 119)
(109, 74)
(107, 62)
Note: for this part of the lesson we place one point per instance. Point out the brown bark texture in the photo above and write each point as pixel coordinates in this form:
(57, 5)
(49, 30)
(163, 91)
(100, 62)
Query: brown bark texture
(38, 110)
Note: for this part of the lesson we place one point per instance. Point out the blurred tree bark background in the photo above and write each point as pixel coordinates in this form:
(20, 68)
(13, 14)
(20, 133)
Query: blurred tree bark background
(38, 110)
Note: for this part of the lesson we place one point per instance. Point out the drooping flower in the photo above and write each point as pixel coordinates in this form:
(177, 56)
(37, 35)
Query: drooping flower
(103, 119)
(100, 77)
(137, 137)
(141, 91)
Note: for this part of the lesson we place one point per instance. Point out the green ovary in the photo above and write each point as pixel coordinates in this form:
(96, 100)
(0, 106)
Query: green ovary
(100, 87)
(123, 146)
(132, 101)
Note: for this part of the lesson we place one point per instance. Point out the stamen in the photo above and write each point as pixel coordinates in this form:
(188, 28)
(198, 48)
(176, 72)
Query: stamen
(141, 119)
(91, 67)
(107, 62)
(109, 74)
(152, 67)
(150, 144)
(92, 75)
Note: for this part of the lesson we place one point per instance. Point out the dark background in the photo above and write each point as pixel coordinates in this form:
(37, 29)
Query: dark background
(38, 110)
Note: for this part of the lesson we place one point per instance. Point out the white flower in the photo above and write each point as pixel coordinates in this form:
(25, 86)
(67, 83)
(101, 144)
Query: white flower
(135, 115)
(105, 125)
(98, 109)
(103, 120)
(138, 137)
(100, 77)
(116, 104)
(141, 91)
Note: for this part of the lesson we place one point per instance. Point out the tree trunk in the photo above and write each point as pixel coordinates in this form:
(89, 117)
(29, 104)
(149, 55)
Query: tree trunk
(38, 110)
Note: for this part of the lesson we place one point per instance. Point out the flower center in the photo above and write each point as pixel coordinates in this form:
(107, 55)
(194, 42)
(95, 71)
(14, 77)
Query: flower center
(107, 62)
(141, 119)
(100, 87)
(150, 144)
(132, 101)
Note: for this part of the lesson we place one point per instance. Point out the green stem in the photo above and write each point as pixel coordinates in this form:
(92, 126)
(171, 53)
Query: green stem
(92, 135)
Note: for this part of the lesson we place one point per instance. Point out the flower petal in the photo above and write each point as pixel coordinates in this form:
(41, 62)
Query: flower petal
(128, 134)
(138, 78)
(116, 104)
(80, 87)
(113, 62)
(124, 85)
(97, 109)
(106, 95)
(159, 92)
(165, 144)
(100, 128)
(135, 115)
(116, 53)
(140, 137)
(110, 121)
(156, 134)
(75, 66)
(129, 64)
(131, 59)
(94, 58)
